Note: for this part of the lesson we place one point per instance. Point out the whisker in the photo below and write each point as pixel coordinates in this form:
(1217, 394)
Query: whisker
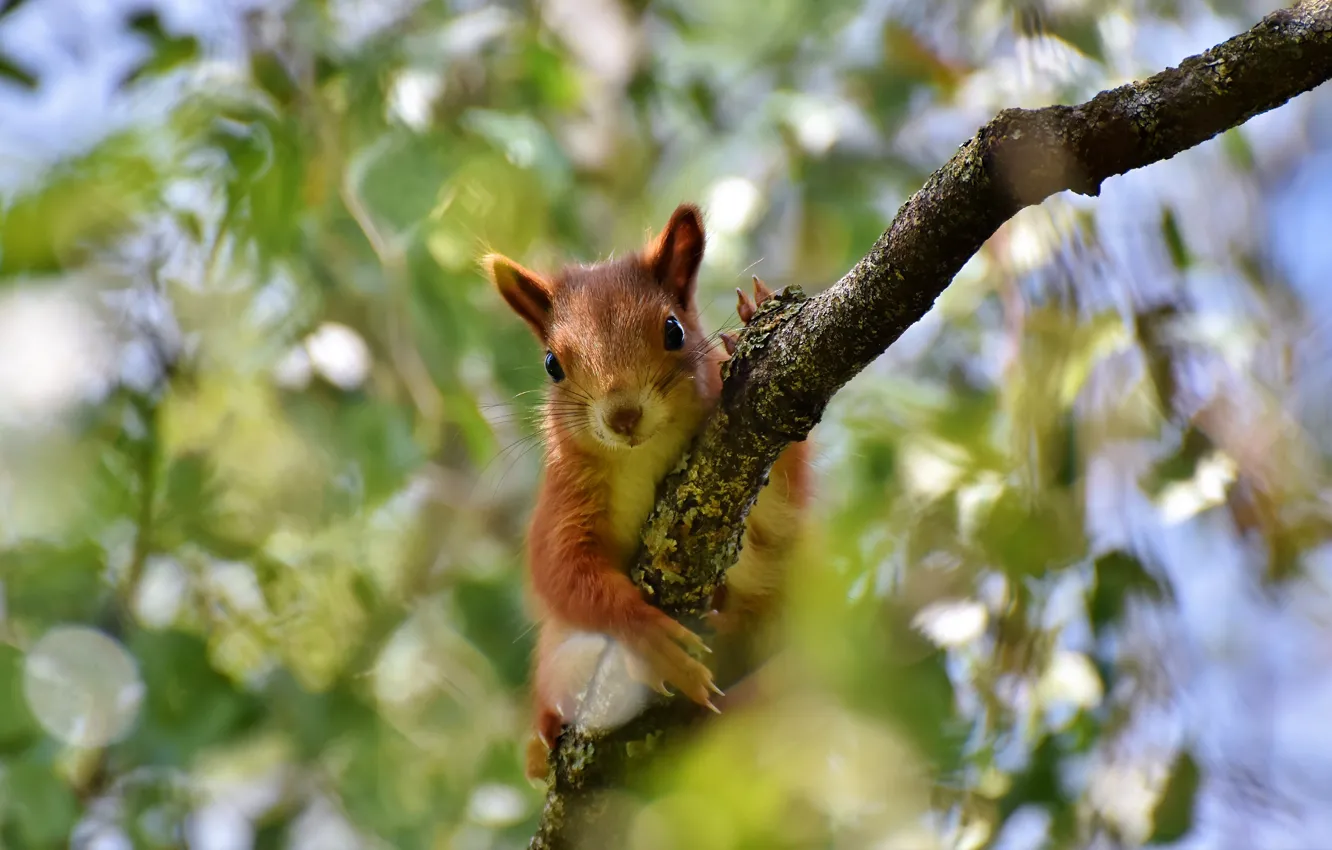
(525, 632)
(530, 417)
(541, 444)
(575, 388)
(662, 365)
(521, 448)
(482, 474)
(517, 395)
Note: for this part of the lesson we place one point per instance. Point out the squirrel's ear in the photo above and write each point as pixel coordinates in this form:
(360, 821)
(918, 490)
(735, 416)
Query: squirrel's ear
(677, 252)
(527, 292)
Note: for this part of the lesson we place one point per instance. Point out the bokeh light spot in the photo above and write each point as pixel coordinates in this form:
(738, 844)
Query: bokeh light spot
(82, 686)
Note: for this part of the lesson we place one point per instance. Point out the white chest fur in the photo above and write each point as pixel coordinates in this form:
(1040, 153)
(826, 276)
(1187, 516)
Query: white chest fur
(631, 484)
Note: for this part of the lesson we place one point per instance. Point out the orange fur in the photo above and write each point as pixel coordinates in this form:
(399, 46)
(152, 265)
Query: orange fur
(616, 422)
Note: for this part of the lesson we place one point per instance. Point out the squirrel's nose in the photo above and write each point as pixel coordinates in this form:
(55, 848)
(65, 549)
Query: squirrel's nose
(624, 419)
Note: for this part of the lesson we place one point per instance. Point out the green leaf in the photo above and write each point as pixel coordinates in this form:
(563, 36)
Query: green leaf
(266, 153)
(877, 468)
(273, 834)
(1173, 816)
(18, 728)
(189, 706)
(156, 810)
(492, 618)
(46, 583)
(934, 528)
(554, 82)
(899, 675)
(1118, 575)
(168, 51)
(705, 101)
(37, 808)
(1181, 465)
(399, 178)
(525, 142)
(1235, 142)
(14, 74)
(925, 706)
(7, 7)
(1039, 785)
(189, 511)
(1083, 32)
(1064, 452)
(373, 437)
(40, 809)
(967, 421)
(272, 76)
(1174, 240)
(188, 491)
(1084, 733)
(79, 204)
(1026, 538)
(316, 720)
(379, 801)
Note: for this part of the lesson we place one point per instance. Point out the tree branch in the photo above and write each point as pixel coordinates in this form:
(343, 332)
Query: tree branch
(798, 352)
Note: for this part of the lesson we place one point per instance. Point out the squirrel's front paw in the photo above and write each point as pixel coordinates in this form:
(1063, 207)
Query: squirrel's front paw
(549, 725)
(747, 308)
(661, 659)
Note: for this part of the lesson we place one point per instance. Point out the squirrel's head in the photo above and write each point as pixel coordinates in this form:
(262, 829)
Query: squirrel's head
(625, 354)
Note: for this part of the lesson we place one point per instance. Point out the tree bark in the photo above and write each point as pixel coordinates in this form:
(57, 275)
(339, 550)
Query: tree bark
(799, 351)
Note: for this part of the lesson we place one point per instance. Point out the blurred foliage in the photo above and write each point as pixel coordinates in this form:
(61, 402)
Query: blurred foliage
(263, 423)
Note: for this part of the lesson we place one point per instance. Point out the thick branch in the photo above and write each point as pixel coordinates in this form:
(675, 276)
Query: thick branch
(799, 351)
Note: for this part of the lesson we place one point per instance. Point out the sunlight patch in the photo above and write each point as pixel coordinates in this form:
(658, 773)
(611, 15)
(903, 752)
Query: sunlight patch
(952, 623)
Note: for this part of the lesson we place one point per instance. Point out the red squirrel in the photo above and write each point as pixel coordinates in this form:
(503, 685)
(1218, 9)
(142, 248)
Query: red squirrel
(632, 376)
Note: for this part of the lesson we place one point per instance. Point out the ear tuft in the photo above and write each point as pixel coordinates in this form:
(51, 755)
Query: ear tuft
(527, 293)
(677, 252)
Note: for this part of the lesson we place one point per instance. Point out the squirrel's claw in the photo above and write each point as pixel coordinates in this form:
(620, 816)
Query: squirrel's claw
(761, 291)
(744, 306)
(729, 342)
(663, 660)
(747, 307)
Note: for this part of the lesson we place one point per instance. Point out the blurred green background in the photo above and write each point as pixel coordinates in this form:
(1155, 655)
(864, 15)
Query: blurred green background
(267, 445)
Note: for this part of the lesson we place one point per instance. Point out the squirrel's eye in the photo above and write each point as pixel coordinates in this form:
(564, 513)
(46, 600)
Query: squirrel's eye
(553, 368)
(674, 334)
